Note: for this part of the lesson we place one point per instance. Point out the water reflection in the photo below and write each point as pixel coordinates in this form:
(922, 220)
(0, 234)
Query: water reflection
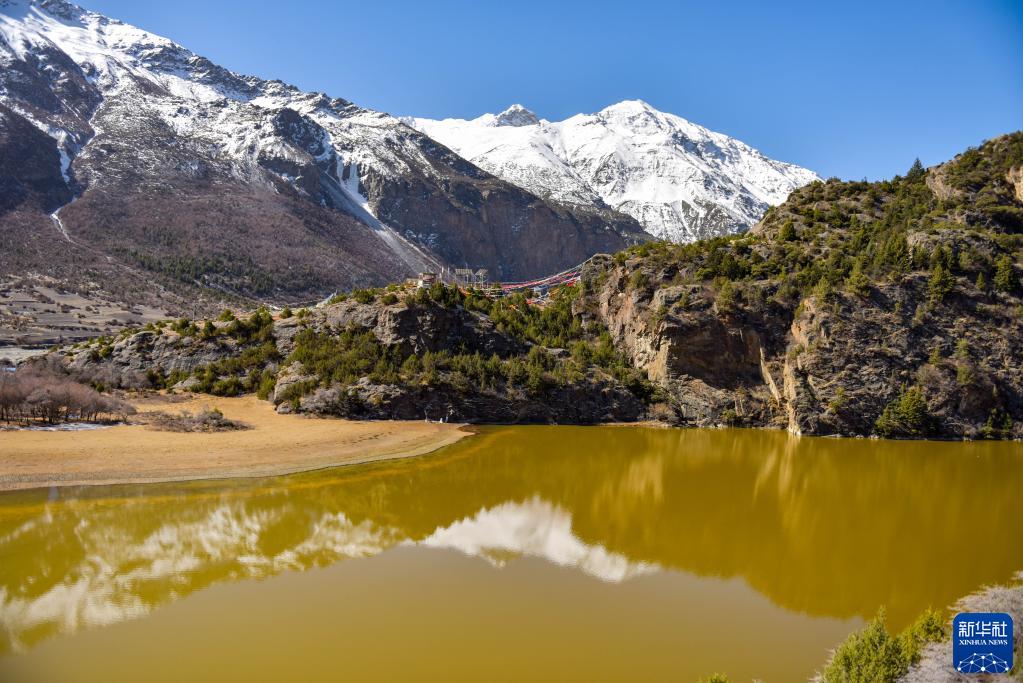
(534, 528)
(830, 528)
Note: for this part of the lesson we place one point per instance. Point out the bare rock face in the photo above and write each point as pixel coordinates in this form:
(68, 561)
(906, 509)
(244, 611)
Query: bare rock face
(852, 359)
(713, 365)
(1015, 178)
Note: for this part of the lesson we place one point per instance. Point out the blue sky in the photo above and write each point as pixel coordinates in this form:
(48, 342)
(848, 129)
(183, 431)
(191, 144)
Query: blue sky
(852, 89)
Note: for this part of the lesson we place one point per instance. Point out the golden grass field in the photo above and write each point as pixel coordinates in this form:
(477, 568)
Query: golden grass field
(276, 444)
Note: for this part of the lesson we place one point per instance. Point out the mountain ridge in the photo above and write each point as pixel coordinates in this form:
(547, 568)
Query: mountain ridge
(681, 181)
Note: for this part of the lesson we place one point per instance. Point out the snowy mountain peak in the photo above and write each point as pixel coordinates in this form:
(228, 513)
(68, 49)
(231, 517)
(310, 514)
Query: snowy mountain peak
(516, 115)
(681, 181)
(629, 107)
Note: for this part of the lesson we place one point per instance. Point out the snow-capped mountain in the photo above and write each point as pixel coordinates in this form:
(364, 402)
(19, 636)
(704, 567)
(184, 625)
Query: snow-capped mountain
(681, 181)
(131, 149)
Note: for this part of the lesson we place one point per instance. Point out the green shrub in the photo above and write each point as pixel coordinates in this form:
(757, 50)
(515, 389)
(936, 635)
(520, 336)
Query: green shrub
(872, 655)
(1005, 279)
(638, 280)
(906, 416)
(787, 233)
(858, 283)
(941, 284)
(998, 425)
(365, 296)
(726, 298)
(229, 386)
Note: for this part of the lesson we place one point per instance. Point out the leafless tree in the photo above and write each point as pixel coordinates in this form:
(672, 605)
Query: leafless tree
(38, 393)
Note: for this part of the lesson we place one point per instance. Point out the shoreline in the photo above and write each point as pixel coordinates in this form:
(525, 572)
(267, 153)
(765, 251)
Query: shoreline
(276, 445)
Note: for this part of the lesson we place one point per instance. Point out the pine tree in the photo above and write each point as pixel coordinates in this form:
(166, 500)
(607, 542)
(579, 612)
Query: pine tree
(981, 282)
(823, 291)
(916, 171)
(858, 283)
(941, 284)
(1005, 275)
(726, 297)
(907, 415)
(787, 232)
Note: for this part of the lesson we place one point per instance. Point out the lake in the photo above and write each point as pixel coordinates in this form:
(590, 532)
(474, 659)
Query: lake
(539, 553)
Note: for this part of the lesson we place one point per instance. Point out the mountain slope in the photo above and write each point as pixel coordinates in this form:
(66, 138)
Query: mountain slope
(182, 172)
(679, 180)
(891, 308)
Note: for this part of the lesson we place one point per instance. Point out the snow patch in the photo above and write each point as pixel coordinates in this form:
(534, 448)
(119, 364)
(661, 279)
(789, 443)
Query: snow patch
(60, 226)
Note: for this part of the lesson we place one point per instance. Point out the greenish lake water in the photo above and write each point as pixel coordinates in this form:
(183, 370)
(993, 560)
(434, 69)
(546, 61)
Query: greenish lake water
(523, 553)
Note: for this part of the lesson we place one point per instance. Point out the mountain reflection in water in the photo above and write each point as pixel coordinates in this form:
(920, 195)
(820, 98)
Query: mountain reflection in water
(823, 527)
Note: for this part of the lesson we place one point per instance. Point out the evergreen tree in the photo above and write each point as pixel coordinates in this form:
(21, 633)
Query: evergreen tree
(907, 415)
(787, 232)
(858, 283)
(1005, 275)
(941, 284)
(916, 171)
(726, 297)
(823, 291)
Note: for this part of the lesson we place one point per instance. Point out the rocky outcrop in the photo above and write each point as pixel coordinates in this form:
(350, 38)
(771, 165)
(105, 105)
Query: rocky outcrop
(1015, 178)
(428, 351)
(140, 359)
(416, 329)
(834, 367)
(590, 400)
(718, 367)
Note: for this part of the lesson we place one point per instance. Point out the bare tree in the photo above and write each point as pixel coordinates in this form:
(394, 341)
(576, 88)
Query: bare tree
(38, 393)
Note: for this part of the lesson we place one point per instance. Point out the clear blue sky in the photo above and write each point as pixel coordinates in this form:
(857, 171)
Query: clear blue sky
(850, 89)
